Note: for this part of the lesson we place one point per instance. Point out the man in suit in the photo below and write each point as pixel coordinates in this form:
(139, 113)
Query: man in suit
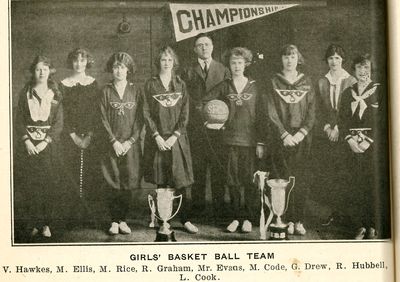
(203, 75)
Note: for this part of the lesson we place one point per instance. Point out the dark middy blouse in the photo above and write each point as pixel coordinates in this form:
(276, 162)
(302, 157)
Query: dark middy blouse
(122, 118)
(166, 113)
(351, 115)
(291, 106)
(248, 122)
(122, 121)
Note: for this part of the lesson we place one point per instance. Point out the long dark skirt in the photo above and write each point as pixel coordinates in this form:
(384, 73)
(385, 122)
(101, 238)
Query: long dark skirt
(294, 161)
(172, 168)
(123, 173)
(331, 173)
(366, 193)
(36, 186)
(82, 168)
(240, 166)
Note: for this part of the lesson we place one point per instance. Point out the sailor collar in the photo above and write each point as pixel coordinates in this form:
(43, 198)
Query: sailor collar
(237, 97)
(292, 96)
(300, 76)
(249, 80)
(359, 98)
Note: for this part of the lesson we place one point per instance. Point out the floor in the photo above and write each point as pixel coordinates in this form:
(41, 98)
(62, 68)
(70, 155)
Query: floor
(89, 224)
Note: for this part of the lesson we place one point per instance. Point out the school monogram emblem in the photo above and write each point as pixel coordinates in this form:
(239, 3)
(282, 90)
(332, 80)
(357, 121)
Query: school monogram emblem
(122, 106)
(168, 99)
(291, 96)
(239, 98)
(37, 133)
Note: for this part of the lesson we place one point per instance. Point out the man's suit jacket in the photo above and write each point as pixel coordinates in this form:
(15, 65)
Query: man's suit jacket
(199, 85)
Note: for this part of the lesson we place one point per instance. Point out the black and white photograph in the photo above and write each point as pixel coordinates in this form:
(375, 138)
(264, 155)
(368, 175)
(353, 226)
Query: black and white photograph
(153, 121)
(198, 140)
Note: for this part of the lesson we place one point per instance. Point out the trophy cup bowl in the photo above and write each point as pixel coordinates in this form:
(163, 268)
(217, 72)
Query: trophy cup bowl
(279, 199)
(162, 209)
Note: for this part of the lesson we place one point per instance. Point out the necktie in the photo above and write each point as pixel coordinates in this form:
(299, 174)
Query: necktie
(205, 69)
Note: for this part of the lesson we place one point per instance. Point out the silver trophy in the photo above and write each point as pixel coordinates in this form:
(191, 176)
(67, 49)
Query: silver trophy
(277, 200)
(162, 209)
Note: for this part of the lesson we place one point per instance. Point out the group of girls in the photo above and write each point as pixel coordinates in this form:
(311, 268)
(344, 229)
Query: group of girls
(68, 117)
(345, 113)
(278, 122)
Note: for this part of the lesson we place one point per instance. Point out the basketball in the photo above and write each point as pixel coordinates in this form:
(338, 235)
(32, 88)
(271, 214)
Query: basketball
(216, 113)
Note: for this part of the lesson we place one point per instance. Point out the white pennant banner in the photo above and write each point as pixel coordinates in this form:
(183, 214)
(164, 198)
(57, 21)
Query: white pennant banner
(192, 19)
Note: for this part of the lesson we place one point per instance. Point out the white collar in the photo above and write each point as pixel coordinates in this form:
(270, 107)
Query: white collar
(40, 110)
(201, 62)
(342, 75)
(69, 81)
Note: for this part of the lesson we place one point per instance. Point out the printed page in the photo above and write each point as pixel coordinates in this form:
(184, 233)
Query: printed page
(255, 150)
(394, 88)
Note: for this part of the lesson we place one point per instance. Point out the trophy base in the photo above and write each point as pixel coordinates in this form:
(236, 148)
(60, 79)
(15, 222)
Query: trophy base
(278, 233)
(162, 237)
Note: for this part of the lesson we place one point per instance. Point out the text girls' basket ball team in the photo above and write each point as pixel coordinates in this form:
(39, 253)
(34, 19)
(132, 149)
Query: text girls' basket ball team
(274, 124)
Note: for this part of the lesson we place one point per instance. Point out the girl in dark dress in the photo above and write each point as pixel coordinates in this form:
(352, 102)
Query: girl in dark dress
(291, 107)
(121, 115)
(168, 162)
(80, 91)
(362, 121)
(244, 136)
(38, 127)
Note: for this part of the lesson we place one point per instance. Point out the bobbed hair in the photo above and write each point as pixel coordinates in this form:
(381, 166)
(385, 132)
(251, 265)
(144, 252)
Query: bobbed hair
(290, 49)
(73, 55)
(335, 49)
(121, 58)
(361, 59)
(238, 52)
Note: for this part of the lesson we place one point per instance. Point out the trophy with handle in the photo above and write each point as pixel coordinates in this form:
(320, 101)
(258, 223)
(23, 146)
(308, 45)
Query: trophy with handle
(162, 209)
(277, 200)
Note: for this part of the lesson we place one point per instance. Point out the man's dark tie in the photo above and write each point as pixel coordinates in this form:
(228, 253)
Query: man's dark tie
(205, 69)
